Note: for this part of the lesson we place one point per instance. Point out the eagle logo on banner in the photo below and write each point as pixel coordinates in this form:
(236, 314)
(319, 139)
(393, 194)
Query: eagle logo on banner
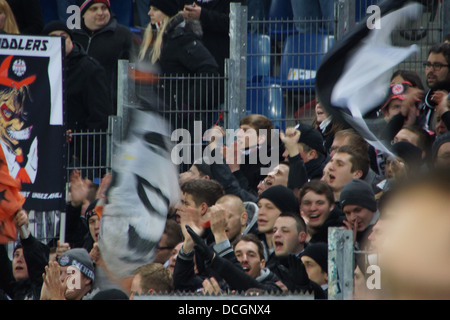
(353, 77)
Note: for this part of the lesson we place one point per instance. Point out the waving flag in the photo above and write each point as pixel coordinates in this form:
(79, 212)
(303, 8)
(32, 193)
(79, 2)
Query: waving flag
(144, 186)
(354, 76)
(10, 202)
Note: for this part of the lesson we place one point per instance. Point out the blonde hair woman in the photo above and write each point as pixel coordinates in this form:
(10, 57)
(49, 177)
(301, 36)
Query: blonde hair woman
(151, 46)
(8, 22)
(188, 72)
(175, 43)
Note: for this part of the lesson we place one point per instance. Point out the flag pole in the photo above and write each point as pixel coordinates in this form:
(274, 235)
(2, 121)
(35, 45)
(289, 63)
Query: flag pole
(62, 227)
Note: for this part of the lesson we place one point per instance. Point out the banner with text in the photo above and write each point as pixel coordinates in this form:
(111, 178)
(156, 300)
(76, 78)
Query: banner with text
(32, 134)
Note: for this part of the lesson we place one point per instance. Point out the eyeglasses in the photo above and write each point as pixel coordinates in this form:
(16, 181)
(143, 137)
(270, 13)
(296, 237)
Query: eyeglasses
(436, 66)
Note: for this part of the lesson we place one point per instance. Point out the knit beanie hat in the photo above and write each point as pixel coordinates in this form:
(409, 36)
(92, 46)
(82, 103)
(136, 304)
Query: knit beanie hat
(283, 198)
(318, 251)
(78, 258)
(440, 140)
(56, 25)
(311, 137)
(411, 154)
(358, 192)
(85, 4)
(168, 7)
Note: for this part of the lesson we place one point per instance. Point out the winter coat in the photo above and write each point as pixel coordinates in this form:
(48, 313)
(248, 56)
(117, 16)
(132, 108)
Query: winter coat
(88, 102)
(183, 51)
(107, 45)
(215, 21)
(249, 174)
(186, 68)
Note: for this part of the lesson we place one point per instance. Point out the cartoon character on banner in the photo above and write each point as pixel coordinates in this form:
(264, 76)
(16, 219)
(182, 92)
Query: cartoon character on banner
(12, 120)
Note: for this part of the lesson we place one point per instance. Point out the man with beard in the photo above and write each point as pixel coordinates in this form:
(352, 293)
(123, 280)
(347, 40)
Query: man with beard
(437, 64)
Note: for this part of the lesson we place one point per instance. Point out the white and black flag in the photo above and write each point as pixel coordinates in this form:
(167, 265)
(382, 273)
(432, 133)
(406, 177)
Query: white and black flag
(354, 76)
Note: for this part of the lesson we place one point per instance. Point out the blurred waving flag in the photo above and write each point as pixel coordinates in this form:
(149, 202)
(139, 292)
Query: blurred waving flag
(354, 76)
(144, 187)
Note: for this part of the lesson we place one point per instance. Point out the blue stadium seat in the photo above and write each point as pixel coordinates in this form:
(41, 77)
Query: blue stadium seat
(280, 19)
(300, 60)
(258, 57)
(267, 101)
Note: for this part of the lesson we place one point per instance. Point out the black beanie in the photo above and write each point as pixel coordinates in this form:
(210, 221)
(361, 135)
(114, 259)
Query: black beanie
(358, 192)
(317, 251)
(283, 198)
(411, 154)
(85, 4)
(56, 25)
(168, 7)
(311, 137)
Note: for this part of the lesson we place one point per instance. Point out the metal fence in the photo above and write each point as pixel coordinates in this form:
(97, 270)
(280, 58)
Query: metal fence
(282, 59)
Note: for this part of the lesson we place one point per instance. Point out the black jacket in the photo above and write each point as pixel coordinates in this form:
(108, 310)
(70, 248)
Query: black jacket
(88, 101)
(221, 172)
(186, 279)
(300, 172)
(36, 256)
(215, 21)
(77, 228)
(249, 174)
(314, 167)
(107, 46)
(183, 51)
(186, 67)
(238, 280)
(335, 219)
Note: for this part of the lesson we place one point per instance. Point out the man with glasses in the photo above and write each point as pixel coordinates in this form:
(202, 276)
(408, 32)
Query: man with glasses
(437, 64)
(437, 71)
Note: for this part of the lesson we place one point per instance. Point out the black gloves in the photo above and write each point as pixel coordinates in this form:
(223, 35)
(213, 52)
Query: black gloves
(201, 248)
